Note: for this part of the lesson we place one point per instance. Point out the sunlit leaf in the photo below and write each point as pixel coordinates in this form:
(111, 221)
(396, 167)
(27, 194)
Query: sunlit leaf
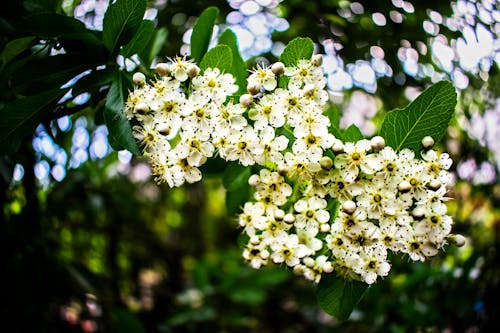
(429, 114)
(338, 297)
(218, 57)
(238, 67)
(154, 46)
(121, 22)
(202, 33)
(352, 134)
(299, 48)
(120, 132)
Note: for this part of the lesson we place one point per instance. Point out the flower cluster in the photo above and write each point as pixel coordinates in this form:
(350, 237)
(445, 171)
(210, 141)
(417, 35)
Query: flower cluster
(179, 116)
(319, 205)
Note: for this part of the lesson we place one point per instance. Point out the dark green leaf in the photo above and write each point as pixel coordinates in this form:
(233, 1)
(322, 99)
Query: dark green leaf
(16, 47)
(20, 117)
(154, 47)
(238, 68)
(429, 114)
(140, 40)
(52, 25)
(202, 33)
(299, 48)
(121, 22)
(123, 321)
(236, 176)
(47, 73)
(352, 134)
(333, 113)
(219, 57)
(236, 199)
(338, 297)
(120, 132)
(94, 80)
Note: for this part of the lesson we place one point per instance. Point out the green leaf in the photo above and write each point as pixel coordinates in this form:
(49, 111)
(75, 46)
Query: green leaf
(202, 33)
(120, 132)
(124, 321)
(93, 81)
(218, 57)
(16, 47)
(429, 114)
(236, 199)
(21, 117)
(333, 113)
(238, 68)
(299, 48)
(140, 39)
(236, 176)
(52, 25)
(154, 46)
(338, 297)
(121, 21)
(352, 134)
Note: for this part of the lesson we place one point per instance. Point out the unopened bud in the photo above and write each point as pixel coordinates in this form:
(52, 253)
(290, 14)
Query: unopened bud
(279, 214)
(254, 180)
(264, 254)
(428, 142)
(193, 70)
(282, 171)
(317, 59)
(349, 206)
(163, 69)
(404, 186)
(418, 213)
(142, 108)
(255, 240)
(139, 78)
(246, 100)
(278, 68)
(309, 90)
(327, 267)
(324, 227)
(434, 184)
(338, 147)
(289, 218)
(308, 261)
(326, 163)
(457, 240)
(253, 88)
(377, 142)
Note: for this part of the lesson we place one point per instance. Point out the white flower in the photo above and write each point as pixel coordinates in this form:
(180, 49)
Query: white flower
(263, 77)
(244, 146)
(356, 158)
(215, 84)
(289, 252)
(266, 112)
(311, 213)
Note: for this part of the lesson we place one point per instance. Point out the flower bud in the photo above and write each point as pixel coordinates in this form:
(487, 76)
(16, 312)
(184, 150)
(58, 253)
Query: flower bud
(282, 170)
(139, 78)
(377, 142)
(418, 213)
(309, 90)
(255, 240)
(264, 254)
(324, 227)
(326, 163)
(338, 147)
(317, 60)
(327, 267)
(163, 69)
(246, 100)
(434, 184)
(279, 214)
(254, 180)
(278, 68)
(289, 218)
(457, 240)
(253, 88)
(193, 70)
(308, 261)
(404, 186)
(349, 206)
(428, 142)
(142, 108)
